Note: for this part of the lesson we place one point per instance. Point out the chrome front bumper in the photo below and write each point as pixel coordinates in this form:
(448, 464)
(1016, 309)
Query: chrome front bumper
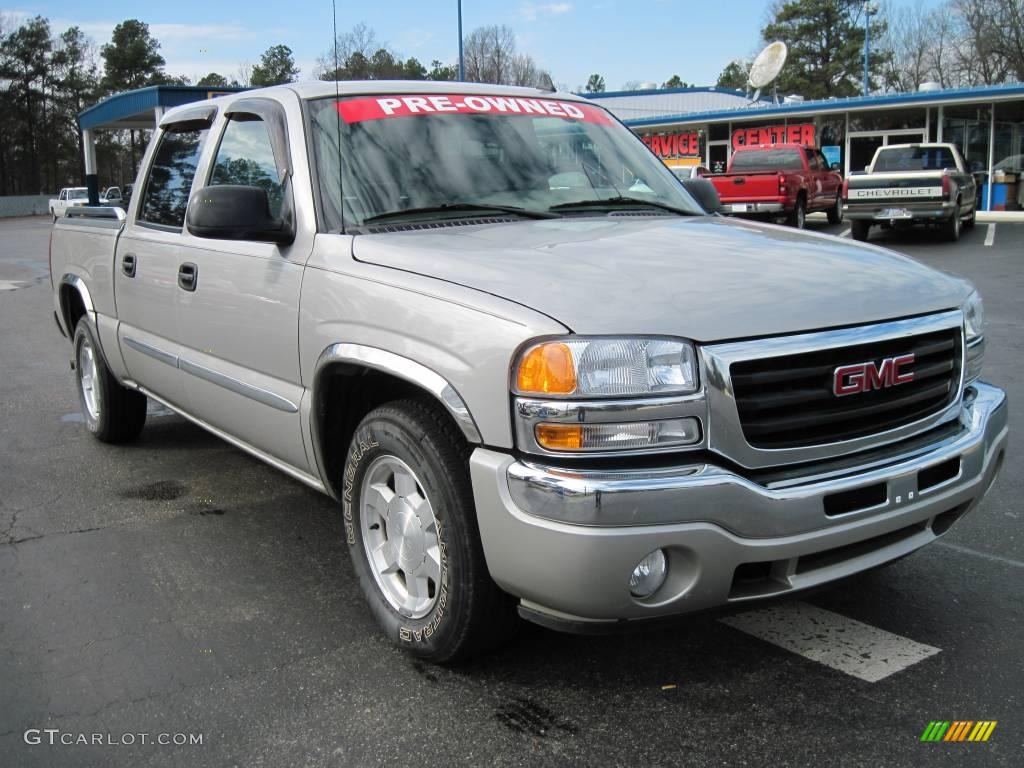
(566, 541)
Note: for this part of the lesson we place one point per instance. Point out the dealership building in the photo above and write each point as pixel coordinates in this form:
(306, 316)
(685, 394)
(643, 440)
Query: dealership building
(702, 126)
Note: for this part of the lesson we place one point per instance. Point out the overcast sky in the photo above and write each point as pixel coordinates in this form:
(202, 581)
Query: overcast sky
(645, 40)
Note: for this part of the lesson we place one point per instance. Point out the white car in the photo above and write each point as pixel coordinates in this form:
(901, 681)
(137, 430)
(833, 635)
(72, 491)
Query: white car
(68, 198)
(689, 171)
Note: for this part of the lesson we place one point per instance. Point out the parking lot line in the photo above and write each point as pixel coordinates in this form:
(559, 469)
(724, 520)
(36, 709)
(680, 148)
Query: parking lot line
(847, 645)
(985, 555)
(845, 232)
(9, 285)
(990, 236)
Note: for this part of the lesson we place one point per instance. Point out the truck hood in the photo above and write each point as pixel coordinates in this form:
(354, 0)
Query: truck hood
(705, 278)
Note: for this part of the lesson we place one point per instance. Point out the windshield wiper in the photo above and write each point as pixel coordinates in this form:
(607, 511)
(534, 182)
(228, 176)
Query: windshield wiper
(615, 202)
(482, 209)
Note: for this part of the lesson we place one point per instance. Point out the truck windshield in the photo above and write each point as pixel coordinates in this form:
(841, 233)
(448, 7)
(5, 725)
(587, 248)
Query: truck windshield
(914, 159)
(767, 160)
(438, 156)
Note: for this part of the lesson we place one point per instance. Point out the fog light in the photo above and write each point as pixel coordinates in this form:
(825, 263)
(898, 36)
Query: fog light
(649, 575)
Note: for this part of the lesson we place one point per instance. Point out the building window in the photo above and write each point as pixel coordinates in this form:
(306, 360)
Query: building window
(1008, 157)
(889, 120)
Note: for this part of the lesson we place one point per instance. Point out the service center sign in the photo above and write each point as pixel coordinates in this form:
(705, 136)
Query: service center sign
(802, 133)
(685, 144)
(362, 109)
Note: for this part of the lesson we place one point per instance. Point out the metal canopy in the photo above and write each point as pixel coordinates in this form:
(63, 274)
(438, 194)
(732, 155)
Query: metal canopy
(142, 108)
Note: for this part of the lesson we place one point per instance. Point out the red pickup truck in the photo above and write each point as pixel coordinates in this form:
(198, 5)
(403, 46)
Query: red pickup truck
(778, 179)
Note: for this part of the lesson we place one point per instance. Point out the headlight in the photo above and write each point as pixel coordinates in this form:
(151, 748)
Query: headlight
(607, 367)
(974, 317)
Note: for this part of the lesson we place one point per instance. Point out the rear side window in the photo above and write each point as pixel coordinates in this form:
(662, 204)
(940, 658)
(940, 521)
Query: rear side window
(170, 177)
(246, 157)
(768, 160)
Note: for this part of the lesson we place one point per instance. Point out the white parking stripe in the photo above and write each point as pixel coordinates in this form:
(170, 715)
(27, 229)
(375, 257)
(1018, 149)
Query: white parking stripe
(985, 555)
(990, 236)
(844, 644)
(9, 285)
(845, 233)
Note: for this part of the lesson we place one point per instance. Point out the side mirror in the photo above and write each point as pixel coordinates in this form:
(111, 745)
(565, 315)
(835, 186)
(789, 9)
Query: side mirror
(235, 212)
(704, 192)
(834, 166)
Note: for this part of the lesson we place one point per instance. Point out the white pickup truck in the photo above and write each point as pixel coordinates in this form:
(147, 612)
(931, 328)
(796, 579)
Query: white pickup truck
(69, 197)
(534, 372)
(909, 184)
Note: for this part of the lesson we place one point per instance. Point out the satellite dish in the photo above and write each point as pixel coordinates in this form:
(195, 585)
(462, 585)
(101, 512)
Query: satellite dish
(766, 66)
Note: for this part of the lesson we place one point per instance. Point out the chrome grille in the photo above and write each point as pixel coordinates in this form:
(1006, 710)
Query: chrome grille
(788, 401)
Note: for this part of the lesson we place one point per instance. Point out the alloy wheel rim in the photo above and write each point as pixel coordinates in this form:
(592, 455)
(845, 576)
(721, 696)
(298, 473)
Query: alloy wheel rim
(400, 536)
(87, 379)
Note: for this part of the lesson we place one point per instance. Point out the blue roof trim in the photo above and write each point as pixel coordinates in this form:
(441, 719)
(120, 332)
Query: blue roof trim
(836, 105)
(664, 91)
(143, 100)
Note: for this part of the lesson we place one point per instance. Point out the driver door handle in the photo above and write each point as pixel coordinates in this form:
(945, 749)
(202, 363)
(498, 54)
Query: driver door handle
(188, 276)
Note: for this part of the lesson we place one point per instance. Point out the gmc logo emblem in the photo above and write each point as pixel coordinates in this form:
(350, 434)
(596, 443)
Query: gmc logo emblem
(864, 377)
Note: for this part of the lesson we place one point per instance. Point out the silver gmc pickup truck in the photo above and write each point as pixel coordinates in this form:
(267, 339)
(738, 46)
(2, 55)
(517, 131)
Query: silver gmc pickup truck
(535, 374)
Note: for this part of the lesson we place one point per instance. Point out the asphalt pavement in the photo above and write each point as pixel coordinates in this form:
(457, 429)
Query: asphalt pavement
(178, 588)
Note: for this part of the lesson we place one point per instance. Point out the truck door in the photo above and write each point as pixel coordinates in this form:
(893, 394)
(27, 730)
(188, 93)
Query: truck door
(238, 320)
(830, 183)
(147, 258)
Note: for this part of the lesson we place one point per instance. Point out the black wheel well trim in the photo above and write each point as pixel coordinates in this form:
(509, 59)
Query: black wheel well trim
(394, 377)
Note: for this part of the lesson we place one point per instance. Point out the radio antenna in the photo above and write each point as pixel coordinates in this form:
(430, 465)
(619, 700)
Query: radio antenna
(337, 112)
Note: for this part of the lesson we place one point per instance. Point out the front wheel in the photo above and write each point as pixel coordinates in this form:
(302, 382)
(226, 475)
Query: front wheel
(114, 414)
(412, 533)
(859, 230)
(835, 213)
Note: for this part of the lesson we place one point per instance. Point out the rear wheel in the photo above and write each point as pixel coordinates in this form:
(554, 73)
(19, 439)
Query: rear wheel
(835, 213)
(951, 228)
(969, 224)
(114, 414)
(412, 533)
(798, 218)
(860, 229)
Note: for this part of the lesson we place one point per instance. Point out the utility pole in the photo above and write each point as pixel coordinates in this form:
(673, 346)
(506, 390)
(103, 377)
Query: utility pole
(870, 9)
(462, 66)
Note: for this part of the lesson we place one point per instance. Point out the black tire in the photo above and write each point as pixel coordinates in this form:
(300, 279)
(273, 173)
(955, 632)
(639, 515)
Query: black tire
(469, 613)
(835, 213)
(120, 413)
(860, 229)
(798, 218)
(951, 227)
(969, 224)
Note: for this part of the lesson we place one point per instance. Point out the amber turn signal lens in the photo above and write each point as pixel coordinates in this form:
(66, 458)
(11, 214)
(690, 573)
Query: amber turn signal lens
(560, 437)
(547, 369)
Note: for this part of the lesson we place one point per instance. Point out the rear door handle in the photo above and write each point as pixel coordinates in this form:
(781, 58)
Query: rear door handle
(188, 276)
(128, 264)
